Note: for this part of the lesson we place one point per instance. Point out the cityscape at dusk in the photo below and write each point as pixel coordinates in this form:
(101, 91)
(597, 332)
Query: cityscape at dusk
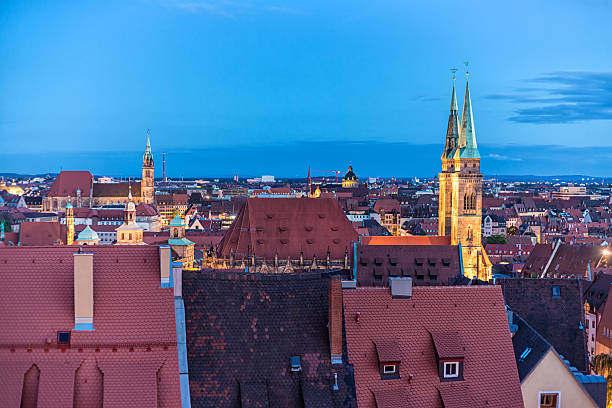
(260, 204)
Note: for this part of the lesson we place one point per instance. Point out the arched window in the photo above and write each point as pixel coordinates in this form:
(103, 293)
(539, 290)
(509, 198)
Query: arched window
(470, 235)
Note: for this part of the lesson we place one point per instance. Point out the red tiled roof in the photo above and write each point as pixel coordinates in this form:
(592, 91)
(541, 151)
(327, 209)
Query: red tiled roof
(406, 240)
(390, 398)
(68, 182)
(456, 395)
(387, 205)
(388, 351)
(448, 344)
(476, 313)
(148, 210)
(289, 226)
(116, 189)
(131, 313)
(42, 233)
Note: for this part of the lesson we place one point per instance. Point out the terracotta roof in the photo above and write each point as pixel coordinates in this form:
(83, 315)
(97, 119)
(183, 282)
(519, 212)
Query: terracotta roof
(289, 226)
(426, 264)
(242, 330)
(448, 344)
(456, 395)
(557, 319)
(131, 313)
(388, 351)
(115, 189)
(387, 205)
(407, 240)
(42, 233)
(568, 260)
(476, 313)
(148, 210)
(68, 182)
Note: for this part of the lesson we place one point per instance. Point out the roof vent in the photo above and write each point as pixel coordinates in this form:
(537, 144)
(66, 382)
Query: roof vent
(401, 287)
(296, 364)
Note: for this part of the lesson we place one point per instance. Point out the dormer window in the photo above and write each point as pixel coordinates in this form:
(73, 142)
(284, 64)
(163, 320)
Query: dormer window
(450, 355)
(389, 359)
(451, 369)
(389, 369)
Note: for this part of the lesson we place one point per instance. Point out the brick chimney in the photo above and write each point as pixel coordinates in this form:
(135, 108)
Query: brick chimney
(83, 292)
(335, 320)
(165, 264)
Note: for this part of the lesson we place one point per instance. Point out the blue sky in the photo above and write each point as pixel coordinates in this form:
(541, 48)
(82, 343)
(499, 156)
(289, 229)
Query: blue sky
(253, 87)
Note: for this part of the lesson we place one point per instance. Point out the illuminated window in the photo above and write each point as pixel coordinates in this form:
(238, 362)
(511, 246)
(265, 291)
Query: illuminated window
(549, 400)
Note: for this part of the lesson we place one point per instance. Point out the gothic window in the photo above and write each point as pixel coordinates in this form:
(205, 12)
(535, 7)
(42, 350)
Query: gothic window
(469, 201)
(470, 235)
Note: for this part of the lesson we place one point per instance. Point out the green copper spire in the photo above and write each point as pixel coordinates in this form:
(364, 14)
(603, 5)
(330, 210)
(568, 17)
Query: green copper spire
(148, 156)
(452, 130)
(467, 137)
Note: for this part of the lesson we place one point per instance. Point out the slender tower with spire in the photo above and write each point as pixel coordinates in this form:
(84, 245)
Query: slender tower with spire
(460, 201)
(309, 183)
(147, 187)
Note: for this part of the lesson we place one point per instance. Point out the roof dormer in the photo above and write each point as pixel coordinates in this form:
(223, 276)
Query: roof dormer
(450, 355)
(389, 359)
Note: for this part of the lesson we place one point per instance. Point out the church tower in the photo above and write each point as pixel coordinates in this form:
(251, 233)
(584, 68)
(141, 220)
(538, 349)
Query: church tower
(147, 187)
(460, 201)
(69, 224)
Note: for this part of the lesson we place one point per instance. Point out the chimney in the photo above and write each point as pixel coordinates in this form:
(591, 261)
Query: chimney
(83, 291)
(401, 287)
(165, 264)
(335, 320)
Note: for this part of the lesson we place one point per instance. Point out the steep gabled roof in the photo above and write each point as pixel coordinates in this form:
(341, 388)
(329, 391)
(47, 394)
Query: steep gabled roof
(116, 189)
(557, 319)
(290, 226)
(243, 329)
(476, 315)
(68, 182)
(134, 339)
(42, 233)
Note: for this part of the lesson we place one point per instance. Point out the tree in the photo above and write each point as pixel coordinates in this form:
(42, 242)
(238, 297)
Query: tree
(7, 225)
(496, 239)
(602, 365)
(512, 230)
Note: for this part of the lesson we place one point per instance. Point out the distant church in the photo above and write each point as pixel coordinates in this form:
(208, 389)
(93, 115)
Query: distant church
(460, 201)
(79, 189)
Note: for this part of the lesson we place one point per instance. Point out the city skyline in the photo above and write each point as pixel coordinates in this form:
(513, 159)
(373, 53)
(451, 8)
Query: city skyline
(329, 84)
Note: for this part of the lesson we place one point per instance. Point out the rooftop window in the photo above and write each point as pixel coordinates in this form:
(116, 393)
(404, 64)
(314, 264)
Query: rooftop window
(451, 369)
(296, 364)
(63, 337)
(556, 291)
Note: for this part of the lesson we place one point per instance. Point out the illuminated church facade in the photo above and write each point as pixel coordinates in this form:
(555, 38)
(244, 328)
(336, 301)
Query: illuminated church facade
(460, 197)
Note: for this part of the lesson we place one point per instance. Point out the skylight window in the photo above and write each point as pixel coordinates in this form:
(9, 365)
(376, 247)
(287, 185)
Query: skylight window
(525, 353)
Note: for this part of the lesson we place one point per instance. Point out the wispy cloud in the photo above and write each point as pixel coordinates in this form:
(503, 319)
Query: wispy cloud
(496, 156)
(562, 97)
(229, 8)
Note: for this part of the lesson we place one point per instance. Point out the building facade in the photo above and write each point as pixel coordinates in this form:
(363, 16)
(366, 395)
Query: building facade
(460, 199)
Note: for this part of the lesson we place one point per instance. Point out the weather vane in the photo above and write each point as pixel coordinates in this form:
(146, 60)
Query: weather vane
(467, 72)
(453, 70)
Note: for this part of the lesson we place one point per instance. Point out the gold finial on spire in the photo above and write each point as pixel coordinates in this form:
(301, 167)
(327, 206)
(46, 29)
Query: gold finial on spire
(453, 70)
(467, 72)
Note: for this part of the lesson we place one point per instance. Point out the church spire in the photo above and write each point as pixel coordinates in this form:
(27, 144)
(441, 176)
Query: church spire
(148, 156)
(452, 130)
(467, 138)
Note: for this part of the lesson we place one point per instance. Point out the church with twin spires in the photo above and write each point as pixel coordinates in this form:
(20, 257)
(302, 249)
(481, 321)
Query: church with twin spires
(460, 198)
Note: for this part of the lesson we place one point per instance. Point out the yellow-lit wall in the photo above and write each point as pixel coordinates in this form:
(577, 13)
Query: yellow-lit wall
(551, 374)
